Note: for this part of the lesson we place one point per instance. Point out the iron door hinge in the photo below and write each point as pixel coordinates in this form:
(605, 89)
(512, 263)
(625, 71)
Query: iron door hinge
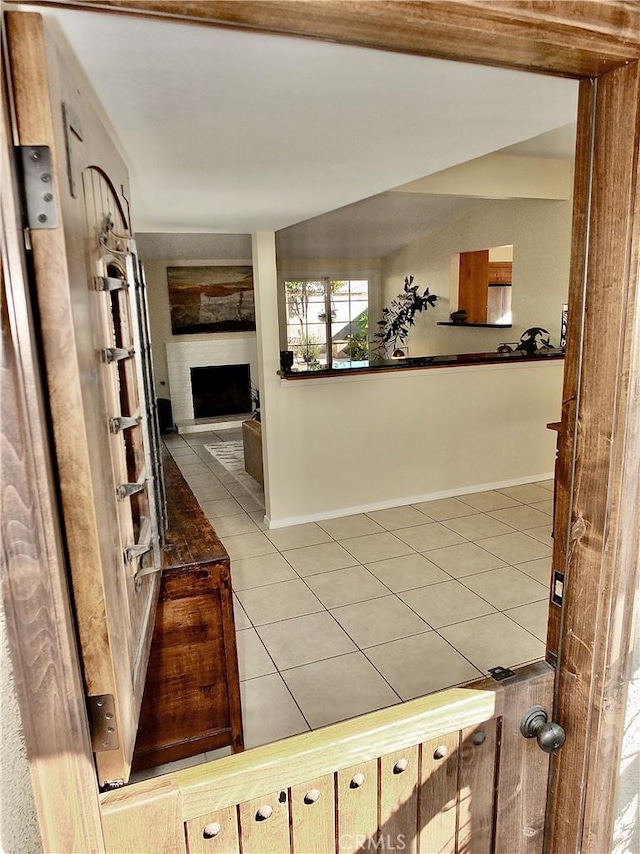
(39, 191)
(103, 724)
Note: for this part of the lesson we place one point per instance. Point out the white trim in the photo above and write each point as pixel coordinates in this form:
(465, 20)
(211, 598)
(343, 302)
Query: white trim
(399, 502)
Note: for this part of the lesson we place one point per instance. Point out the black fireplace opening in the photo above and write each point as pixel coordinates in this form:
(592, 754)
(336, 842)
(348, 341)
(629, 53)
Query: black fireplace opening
(221, 390)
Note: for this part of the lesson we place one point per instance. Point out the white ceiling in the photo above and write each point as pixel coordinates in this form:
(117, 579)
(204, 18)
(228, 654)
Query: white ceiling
(230, 131)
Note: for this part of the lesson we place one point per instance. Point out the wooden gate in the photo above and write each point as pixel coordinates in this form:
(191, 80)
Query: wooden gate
(445, 773)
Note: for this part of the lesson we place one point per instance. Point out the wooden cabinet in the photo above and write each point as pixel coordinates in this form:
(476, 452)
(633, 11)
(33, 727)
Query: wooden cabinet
(500, 272)
(191, 701)
(472, 285)
(252, 442)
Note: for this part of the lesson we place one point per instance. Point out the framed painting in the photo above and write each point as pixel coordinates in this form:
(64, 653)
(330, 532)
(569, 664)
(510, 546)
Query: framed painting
(211, 299)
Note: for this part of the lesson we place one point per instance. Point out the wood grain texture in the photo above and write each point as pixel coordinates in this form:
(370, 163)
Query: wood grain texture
(203, 836)
(572, 38)
(438, 797)
(476, 770)
(295, 760)
(409, 798)
(113, 621)
(357, 809)
(398, 809)
(473, 282)
(154, 828)
(521, 796)
(264, 824)
(566, 440)
(602, 562)
(313, 816)
(191, 700)
(585, 27)
(35, 595)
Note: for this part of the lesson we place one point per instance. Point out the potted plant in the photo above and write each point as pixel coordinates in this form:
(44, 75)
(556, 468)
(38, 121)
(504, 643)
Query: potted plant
(534, 339)
(399, 317)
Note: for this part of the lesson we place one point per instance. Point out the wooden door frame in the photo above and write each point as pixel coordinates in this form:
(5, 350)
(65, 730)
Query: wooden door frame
(598, 43)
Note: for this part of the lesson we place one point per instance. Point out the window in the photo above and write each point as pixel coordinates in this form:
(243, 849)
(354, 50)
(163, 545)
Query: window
(327, 322)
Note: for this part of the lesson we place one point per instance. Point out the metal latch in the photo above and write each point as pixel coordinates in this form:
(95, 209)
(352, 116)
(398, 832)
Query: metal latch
(104, 728)
(116, 354)
(124, 490)
(110, 283)
(39, 191)
(123, 422)
(132, 553)
(557, 591)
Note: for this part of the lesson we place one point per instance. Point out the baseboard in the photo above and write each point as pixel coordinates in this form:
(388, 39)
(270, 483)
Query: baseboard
(398, 502)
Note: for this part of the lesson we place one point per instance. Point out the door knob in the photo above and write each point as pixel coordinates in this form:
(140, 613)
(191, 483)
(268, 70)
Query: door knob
(536, 724)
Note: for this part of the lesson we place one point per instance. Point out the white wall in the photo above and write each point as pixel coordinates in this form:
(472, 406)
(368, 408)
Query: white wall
(19, 831)
(342, 444)
(540, 232)
(159, 251)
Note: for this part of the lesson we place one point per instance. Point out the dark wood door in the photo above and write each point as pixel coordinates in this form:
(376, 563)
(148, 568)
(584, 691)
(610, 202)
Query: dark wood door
(600, 447)
(92, 315)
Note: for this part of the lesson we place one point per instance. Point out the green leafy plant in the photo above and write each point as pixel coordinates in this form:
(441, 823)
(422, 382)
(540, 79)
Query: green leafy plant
(357, 347)
(311, 348)
(533, 339)
(399, 317)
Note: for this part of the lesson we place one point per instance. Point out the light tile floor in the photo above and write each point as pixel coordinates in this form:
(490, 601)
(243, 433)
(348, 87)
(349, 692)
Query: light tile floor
(345, 616)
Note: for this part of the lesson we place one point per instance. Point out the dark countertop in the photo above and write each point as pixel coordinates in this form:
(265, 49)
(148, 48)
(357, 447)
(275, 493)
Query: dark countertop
(414, 362)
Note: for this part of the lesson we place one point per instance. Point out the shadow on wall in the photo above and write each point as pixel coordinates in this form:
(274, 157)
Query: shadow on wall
(19, 831)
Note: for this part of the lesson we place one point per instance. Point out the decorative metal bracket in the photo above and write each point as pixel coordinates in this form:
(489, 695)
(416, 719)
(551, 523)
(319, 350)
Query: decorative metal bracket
(110, 283)
(123, 422)
(132, 553)
(104, 728)
(116, 354)
(39, 190)
(125, 490)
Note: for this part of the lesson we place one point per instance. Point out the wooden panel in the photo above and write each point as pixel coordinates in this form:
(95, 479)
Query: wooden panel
(438, 796)
(113, 622)
(418, 805)
(566, 439)
(399, 801)
(35, 593)
(263, 769)
(264, 824)
(472, 285)
(155, 827)
(521, 798)
(313, 816)
(577, 38)
(357, 809)
(191, 699)
(602, 561)
(500, 272)
(214, 833)
(477, 758)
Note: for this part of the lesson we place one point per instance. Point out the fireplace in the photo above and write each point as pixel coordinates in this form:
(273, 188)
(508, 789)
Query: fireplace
(221, 390)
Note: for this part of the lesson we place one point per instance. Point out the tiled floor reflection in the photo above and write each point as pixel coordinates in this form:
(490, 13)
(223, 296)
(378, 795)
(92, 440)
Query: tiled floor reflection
(349, 615)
